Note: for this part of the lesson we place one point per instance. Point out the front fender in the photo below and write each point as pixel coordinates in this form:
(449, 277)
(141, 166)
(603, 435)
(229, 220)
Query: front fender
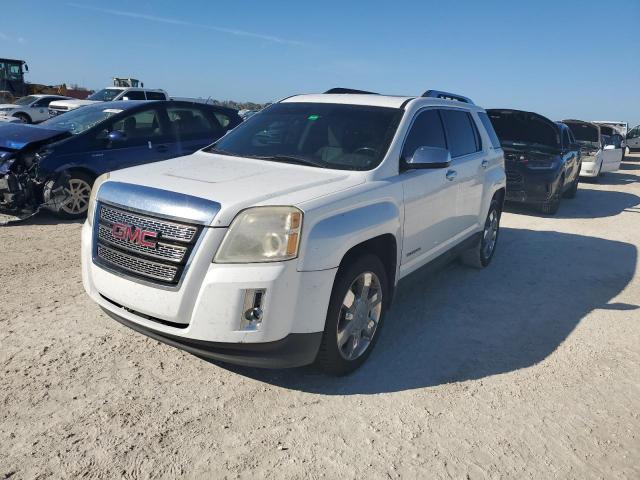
(332, 237)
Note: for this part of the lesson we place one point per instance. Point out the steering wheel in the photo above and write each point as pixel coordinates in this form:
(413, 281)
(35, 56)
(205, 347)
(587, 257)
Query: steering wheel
(366, 150)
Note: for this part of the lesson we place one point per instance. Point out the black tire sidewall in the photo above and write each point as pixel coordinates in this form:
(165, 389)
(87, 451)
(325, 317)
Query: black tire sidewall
(329, 358)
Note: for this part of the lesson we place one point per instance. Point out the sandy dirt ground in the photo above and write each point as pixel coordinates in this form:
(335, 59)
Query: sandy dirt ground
(527, 369)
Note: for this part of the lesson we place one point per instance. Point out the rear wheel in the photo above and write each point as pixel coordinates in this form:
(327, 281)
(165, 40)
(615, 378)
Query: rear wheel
(78, 190)
(23, 117)
(551, 206)
(481, 254)
(354, 319)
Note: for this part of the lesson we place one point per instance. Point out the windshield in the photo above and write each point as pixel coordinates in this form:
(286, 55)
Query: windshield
(26, 100)
(514, 128)
(584, 132)
(105, 95)
(81, 119)
(346, 137)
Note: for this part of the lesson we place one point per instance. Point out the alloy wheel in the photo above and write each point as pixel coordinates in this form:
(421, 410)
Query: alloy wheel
(77, 200)
(359, 316)
(490, 234)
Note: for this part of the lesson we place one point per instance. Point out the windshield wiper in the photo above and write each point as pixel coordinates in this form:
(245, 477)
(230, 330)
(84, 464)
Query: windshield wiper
(290, 159)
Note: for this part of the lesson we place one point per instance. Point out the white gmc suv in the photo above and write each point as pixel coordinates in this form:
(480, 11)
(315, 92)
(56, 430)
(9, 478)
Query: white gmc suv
(282, 244)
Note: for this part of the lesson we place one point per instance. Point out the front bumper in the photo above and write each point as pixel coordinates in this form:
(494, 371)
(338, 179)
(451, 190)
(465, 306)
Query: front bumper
(530, 186)
(203, 316)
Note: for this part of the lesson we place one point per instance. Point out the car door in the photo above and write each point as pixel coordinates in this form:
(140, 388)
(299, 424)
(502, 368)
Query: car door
(633, 138)
(467, 167)
(192, 127)
(611, 155)
(39, 110)
(569, 156)
(429, 197)
(142, 138)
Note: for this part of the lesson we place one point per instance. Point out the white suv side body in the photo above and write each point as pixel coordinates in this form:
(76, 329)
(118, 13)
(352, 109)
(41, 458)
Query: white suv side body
(408, 217)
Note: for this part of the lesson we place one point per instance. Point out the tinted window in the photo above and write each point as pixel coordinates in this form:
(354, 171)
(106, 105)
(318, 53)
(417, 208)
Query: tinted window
(461, 137)
(484, 118)
(347, 137)
(426, 131)
(156, 96)
(566, 141)
(186, 121)
(138, 128)
(134, 95)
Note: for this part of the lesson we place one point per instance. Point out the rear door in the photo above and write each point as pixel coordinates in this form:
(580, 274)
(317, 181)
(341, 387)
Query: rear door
(465, 146)
(429, 198)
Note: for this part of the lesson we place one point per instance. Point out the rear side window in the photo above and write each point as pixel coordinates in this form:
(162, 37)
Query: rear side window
(486, 123)
(191, 121)
(462, 134)
(134, 95)
(426, 131)
(223, 119)
(155, 96)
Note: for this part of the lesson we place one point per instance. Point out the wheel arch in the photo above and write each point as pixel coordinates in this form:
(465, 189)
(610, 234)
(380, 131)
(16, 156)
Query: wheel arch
(23, 114)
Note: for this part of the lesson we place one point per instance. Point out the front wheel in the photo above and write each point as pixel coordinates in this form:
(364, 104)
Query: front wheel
(23, 117)
(480, 255)
(354, 319)
(76, 202)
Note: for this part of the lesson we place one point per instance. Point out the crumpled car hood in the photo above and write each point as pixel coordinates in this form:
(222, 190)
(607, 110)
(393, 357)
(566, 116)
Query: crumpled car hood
(18, 136)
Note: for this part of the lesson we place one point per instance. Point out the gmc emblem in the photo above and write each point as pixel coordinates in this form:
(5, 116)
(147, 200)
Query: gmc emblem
(134, 235)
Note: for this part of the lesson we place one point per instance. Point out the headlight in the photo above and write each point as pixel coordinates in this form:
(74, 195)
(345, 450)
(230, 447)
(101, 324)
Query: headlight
(262, 234)
(92, 198)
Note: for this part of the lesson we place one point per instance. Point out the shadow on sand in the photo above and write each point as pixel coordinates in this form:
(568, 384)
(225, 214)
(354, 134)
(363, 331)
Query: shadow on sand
(458, 324)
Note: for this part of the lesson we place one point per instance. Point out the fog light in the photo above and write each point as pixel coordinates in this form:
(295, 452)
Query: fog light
(252, 311)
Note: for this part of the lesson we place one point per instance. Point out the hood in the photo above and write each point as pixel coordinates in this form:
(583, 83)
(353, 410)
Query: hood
(585, 133)
(237, 183)
(72, 103)
(18, 136)
(519, 129)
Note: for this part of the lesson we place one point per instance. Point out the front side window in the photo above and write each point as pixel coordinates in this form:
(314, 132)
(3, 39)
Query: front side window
(337, 136)
(138, 128)
(461, 137)
(426, 131)
(105, 95)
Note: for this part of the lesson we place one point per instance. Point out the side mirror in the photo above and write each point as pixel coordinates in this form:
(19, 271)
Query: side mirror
(429, 157)
(116, 136)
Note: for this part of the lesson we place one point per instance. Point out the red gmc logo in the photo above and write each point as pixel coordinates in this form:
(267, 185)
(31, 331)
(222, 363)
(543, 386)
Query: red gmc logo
(134, 235)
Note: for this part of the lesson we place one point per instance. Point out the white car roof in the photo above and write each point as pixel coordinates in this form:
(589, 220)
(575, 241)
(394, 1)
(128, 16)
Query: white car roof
(351, 99)
(375, 100)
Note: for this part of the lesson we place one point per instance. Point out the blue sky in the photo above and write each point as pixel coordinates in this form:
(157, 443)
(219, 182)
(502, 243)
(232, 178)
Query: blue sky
(559, 58)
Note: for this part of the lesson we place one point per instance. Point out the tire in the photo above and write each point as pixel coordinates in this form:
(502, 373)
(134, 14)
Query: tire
(573, 190)
(78, 186)
(551, 206)
(350, 321)
(480, 255)
(24, 118)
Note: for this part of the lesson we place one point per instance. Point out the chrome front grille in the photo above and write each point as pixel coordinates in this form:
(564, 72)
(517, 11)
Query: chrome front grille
(142, 245)
(137, 265)
(168, 230)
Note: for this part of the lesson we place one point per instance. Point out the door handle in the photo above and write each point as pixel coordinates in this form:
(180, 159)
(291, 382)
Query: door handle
(451, 175)
(485, 163)
(162, 148)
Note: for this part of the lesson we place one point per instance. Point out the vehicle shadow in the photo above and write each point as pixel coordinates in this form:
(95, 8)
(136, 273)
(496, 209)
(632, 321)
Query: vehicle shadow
(589, 203)
(458, 324)
(40, 218)
(612, 178)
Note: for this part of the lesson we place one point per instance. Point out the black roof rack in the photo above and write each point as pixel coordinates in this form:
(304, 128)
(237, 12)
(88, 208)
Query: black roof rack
(447, 96)
(349, 90)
